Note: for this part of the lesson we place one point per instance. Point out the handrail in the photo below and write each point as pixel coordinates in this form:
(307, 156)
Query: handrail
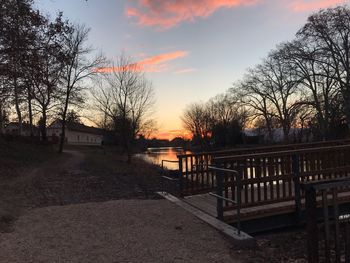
(277, 146)
(221, 198)
(170, 179)
(281, 153)
(222, 169)
(326, 184)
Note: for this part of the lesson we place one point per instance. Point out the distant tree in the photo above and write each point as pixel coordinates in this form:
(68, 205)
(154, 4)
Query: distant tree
(227, 119)
(73, 117)
(196, 120)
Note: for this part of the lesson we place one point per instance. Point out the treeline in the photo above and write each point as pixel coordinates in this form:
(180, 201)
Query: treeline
(47, 69)
(301, 88)
(43, 65)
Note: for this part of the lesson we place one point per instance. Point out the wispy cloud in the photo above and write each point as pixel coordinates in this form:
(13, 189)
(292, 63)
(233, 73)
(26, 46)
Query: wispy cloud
(185, 70)
(310, 5)
(166, 14)
(156, 63)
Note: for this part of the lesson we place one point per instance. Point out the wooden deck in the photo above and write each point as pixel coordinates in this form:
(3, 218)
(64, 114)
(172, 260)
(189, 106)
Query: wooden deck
(208, 204)
(264, 182)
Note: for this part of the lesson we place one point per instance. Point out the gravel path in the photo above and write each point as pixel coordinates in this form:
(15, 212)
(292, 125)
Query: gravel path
(113, 231)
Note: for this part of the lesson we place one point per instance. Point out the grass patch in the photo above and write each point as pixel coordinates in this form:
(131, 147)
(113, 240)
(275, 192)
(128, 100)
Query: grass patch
(15, 155)
(36, 176)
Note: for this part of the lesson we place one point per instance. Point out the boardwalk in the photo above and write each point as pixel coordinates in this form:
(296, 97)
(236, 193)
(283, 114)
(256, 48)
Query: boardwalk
(261, 183)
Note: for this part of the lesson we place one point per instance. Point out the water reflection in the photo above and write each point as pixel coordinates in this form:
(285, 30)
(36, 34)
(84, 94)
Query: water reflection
(156, 155)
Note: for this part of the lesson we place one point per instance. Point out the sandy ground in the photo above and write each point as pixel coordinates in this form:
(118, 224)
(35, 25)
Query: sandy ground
(113, 231)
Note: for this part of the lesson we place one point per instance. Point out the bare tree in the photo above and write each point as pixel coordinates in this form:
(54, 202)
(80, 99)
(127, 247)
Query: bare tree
(77, 69)
(330, 30)
(281, 89)
(252, 95)
(316, 80)
(18, 29)
(227, 119)
(196, 119)
(46, 68)
(126, 97)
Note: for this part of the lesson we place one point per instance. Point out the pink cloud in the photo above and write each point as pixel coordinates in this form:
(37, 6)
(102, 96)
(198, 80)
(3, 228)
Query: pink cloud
(185, 70)
(310, 5)
(152, 64)
(166, 14)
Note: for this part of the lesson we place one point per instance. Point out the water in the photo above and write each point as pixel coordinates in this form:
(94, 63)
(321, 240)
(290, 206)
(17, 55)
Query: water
(156, 155)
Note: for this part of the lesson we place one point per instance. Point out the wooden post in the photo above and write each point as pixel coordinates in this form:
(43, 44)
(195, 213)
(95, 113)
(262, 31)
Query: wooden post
(347, 241)
(180, 177)
(219, 190)
(312, 230)
(296, 180)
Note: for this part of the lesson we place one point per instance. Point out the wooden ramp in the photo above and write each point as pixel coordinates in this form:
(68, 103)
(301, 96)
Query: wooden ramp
(238, 237)
(260, 218)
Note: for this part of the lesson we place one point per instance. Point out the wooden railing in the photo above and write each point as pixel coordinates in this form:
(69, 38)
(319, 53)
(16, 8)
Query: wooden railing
(195, 176)
(272, 177)
(329, 241)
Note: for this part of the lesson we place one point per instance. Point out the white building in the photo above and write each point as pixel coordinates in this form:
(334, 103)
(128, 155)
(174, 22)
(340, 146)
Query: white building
(75, 133)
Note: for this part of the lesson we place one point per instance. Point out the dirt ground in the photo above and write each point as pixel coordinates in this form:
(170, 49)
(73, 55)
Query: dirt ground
(78, 176)
(61, 211)
(114, 231)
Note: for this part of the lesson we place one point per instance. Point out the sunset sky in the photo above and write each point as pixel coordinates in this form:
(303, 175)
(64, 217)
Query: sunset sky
(192, 50)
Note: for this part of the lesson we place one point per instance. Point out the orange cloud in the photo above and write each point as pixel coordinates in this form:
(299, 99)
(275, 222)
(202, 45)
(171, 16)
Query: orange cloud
(304, 5)
(166, 14)
(151, 64)
(185, 70)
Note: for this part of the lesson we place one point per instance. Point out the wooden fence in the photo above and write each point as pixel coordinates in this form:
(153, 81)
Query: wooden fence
(328, 240)
(273, 177)
(195, 176)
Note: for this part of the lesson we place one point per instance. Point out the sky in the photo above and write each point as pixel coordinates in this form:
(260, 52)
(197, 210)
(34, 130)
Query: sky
(191, 50)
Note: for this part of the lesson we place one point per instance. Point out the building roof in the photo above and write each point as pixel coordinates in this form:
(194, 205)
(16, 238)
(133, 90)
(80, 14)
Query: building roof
(25, 125)
(79, 127)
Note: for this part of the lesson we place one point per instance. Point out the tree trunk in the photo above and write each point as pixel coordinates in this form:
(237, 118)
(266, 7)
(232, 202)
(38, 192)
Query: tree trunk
(347, 109)
(2, 119)
(63, 136)
(30, 111)
(286, 134)
(18, 110)
(43, 126)
(64, 115)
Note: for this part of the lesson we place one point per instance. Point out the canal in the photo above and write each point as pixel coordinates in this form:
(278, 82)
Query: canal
(156, 155)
